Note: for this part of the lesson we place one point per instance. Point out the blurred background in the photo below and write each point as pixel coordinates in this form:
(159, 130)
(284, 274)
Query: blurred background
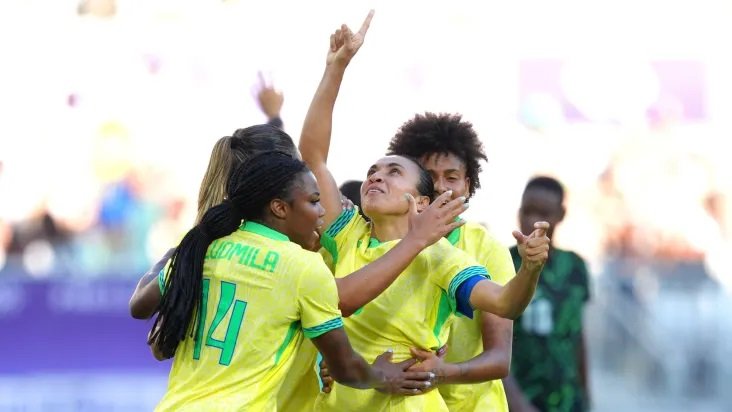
(109, 110)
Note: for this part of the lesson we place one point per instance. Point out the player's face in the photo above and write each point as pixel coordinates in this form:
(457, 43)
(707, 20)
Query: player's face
(448, 173)
(305, 214)
(539, 204)
(387, 181)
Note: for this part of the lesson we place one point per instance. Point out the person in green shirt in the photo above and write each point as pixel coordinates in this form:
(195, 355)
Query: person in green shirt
(549, 362)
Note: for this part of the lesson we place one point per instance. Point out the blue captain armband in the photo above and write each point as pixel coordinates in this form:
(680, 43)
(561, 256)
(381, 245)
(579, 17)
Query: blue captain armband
(462, 286)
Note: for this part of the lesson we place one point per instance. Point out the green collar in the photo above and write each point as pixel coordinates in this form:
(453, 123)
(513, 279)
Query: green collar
(454, 236)
(373, 242)
(263, 230)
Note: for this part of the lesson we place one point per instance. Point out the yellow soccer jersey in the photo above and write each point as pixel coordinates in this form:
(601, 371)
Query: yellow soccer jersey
(302, 386)
(465, 339)
(261, 296)
(411, 313)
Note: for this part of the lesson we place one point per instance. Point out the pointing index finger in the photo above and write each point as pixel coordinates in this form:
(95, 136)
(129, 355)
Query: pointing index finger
(366, 23)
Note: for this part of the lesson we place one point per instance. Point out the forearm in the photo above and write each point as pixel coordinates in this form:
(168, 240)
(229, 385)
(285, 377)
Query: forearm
(344, 364)
(356, 373)
(515, 397)
(316, 131)
(485, 367)
(146, 297)
(495, 360)
(510, 300)
(364, 285)
(275, 121)
(519, 291)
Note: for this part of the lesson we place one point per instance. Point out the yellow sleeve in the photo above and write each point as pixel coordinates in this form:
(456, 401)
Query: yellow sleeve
(450, 267)
(497, 260)
(327, 258)
(317, 297)
(343, 233)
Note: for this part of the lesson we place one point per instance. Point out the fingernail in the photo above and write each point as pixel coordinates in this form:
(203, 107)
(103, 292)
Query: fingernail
(428, 384)
(466, 205)
(390, 350)
(462, 199)
(432, 375)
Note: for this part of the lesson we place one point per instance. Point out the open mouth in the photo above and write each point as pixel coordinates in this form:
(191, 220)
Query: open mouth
(374, 190)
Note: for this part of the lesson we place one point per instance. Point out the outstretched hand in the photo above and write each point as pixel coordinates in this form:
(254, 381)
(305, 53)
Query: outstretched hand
(534, 248)
(270, 100)
(344, 44)
(436, 220)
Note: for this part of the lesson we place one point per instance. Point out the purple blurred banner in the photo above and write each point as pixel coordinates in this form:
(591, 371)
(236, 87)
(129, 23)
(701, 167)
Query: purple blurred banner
(67, 326)
(662, 86)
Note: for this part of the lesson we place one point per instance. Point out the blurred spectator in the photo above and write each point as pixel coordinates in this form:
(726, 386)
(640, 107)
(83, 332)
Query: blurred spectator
(549, 365)
(97, 8)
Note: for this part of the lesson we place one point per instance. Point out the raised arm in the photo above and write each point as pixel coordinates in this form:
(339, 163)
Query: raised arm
(270, 102)
(315, 138)
(510, 300)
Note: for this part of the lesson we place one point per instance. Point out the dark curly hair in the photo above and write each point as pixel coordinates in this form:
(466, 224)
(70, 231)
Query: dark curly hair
(444, 133)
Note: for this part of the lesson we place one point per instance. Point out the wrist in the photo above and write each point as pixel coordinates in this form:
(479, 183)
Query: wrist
(414, 244)
(336, 68)
(530, 268)
(448, 373)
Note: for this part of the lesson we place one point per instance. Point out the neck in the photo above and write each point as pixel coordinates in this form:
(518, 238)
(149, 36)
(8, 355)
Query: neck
(271, 223)
(386, 228)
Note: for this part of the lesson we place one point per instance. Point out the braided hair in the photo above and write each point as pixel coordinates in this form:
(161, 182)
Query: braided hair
(253, 185)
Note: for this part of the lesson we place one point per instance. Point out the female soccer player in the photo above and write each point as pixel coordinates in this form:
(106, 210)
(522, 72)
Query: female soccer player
(479, 349)
(235, 311)
(439, 282)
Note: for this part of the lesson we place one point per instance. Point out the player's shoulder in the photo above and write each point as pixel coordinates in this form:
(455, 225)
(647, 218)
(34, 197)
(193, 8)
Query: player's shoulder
(477, 232)
(443, 250)
(570, 255)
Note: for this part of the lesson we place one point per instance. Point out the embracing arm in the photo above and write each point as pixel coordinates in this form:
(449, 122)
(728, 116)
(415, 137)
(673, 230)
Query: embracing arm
(495, 360)
(517, 401)
(493, 363)
(349, 368)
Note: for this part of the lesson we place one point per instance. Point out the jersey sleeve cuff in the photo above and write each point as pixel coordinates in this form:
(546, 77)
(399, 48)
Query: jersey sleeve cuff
(161, 280)
(327, 239)
(324, 327)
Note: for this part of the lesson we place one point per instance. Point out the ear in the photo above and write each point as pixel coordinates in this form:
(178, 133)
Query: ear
(422, 202)
(467, 184)
(561, 214)
(279, 208)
